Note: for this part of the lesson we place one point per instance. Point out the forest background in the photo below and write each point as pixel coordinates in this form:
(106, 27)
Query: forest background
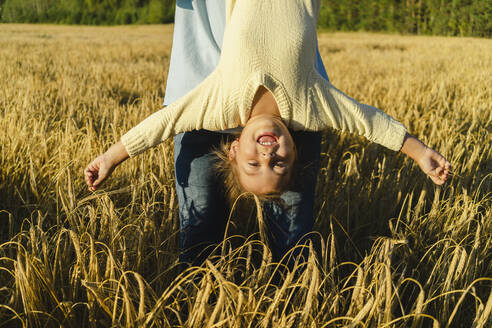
(430, 17)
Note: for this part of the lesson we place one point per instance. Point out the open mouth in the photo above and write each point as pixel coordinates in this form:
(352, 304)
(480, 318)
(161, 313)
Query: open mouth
(267, 139)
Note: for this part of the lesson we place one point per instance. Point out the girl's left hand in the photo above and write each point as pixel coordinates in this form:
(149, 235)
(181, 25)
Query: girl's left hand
(430, 161)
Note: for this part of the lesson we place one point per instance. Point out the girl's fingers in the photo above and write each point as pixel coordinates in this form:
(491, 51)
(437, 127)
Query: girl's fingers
(436, 180)
(101, 176)
(439, 175)
(91, 175)
(88, 177)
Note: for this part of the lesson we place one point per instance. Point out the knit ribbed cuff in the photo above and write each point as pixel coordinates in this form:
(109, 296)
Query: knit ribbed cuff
(134, 142)
(395, 135)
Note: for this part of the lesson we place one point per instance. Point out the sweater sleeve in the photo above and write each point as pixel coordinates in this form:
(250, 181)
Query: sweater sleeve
(201, 108)
(337, 110)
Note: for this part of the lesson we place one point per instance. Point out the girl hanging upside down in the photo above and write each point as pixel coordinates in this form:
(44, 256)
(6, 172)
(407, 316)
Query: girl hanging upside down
(266, 82)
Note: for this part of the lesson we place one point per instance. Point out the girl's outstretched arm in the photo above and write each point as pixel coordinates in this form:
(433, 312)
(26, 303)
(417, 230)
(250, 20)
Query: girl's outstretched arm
(332, 108)
(430, 161)
(102, 167)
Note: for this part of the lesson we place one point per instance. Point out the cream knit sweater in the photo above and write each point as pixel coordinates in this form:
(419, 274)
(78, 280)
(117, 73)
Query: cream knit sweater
(270, 43)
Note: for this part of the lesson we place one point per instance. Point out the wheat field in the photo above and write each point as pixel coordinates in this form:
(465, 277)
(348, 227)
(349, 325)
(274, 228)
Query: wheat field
(390, 249)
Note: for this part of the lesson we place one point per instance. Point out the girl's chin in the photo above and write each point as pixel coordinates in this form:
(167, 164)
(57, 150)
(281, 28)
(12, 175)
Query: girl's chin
(266, 122)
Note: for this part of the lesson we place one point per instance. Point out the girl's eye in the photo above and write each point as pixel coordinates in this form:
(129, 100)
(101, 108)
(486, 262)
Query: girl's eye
(280, 164)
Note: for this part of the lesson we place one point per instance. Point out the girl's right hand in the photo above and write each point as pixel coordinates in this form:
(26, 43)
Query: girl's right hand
(102, 167)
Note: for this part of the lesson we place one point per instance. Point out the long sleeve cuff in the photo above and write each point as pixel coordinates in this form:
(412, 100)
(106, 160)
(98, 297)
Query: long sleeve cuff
(394, 136)
(134, 142)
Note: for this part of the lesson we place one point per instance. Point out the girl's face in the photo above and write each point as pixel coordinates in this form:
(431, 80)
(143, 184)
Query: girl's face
(264, 155)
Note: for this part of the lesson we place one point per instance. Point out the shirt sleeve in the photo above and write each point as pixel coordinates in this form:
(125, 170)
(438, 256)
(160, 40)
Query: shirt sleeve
(201, 108)
(332, 108)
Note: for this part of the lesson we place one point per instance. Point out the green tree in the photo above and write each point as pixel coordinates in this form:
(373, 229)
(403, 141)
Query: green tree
(160, 11)
(69, 12)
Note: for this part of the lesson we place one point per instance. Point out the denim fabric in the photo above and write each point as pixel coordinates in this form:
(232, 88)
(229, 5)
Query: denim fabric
(198, 33)
(202, 210)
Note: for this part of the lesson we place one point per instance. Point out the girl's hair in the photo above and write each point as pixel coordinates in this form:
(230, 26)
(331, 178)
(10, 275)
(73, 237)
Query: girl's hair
(225, 168)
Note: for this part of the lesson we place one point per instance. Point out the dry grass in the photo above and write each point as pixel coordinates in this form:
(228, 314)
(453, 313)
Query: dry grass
(392, 250)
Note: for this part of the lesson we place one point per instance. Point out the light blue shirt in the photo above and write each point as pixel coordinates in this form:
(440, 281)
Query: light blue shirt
(197, 42)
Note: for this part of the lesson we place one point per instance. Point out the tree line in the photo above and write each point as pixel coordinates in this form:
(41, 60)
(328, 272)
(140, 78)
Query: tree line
(87, 12)
(436, 17)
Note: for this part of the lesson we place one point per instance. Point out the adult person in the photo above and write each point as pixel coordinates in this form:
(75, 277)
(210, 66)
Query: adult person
(198, 34)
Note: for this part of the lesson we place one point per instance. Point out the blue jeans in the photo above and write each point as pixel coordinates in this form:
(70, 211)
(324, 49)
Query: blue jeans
(203, 210)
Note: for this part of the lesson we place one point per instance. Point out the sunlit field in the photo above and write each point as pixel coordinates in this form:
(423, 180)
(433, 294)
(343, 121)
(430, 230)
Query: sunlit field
(390, 249)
